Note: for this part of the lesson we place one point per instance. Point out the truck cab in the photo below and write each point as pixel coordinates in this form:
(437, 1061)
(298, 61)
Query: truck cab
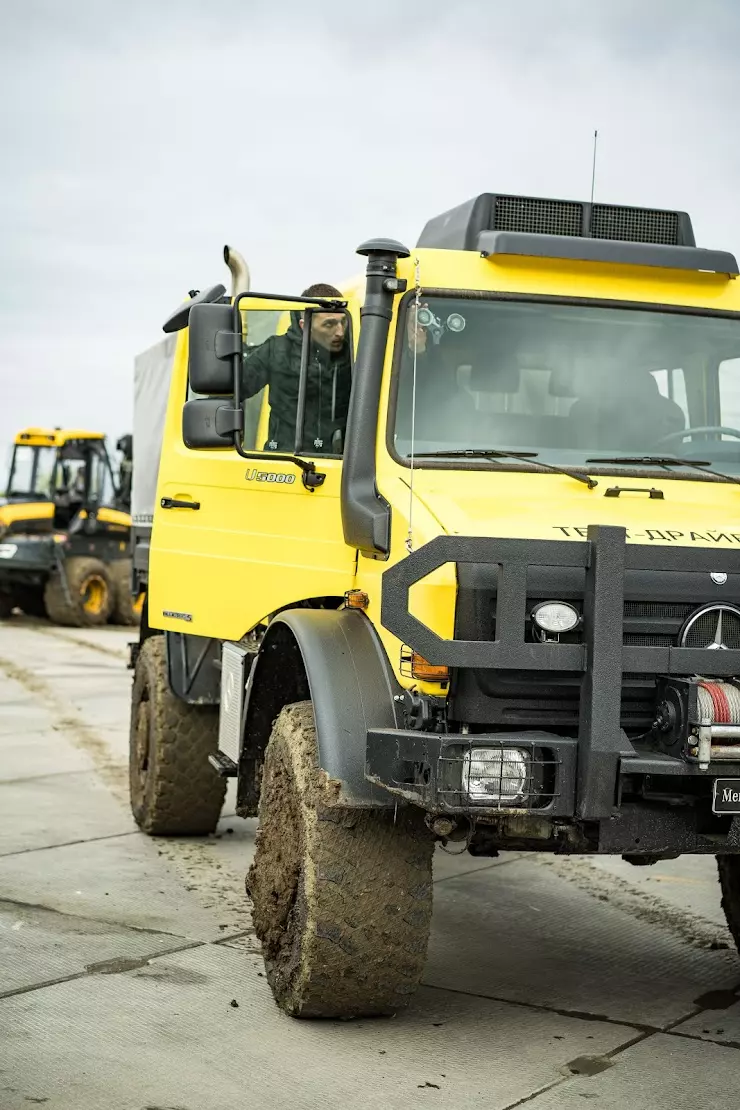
(500, 608)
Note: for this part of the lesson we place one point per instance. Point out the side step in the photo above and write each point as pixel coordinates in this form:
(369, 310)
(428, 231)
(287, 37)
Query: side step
(224, 765)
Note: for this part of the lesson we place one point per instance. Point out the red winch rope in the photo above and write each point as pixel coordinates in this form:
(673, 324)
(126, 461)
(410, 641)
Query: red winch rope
(720, 703)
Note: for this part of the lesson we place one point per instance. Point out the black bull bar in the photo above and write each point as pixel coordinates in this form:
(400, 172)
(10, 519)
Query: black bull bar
(601, 658)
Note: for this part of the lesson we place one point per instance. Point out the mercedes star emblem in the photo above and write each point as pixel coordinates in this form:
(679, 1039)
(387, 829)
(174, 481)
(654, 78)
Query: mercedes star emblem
(718, 577)
(716, 644)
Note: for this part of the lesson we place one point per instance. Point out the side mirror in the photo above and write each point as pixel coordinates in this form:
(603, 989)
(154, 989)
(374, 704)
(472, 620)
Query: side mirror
(212, 346)
(205, 423)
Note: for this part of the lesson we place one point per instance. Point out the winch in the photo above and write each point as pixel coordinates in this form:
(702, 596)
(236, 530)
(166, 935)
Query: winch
(699, 718)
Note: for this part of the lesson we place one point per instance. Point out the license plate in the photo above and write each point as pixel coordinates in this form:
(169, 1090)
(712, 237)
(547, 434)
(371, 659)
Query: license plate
(726, 797)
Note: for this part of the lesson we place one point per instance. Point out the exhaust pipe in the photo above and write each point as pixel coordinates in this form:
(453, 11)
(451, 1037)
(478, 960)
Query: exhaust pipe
(240, 278)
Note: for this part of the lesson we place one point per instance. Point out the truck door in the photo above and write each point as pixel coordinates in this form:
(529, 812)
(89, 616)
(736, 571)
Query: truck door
(235, 539)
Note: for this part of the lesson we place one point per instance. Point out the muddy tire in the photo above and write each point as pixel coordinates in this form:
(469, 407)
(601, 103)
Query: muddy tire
(87, 601)
(342, 899)
(729, 877)
(126, 611)
(173, 788)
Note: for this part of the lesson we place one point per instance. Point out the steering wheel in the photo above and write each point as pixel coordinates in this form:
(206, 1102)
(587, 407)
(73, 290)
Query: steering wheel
(704, 428)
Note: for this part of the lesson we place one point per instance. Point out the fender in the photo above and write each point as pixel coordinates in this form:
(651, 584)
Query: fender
(333, 657)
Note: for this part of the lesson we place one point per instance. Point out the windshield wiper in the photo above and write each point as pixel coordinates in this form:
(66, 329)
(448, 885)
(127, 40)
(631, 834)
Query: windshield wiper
(666, 461)
(494, 453)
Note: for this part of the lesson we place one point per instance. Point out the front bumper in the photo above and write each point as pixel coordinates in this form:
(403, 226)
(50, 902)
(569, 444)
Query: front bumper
(645, 818)
(25, 560)
(593, 777)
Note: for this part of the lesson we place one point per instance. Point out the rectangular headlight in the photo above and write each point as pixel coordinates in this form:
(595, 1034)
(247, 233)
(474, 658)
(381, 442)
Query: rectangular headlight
(496, 776)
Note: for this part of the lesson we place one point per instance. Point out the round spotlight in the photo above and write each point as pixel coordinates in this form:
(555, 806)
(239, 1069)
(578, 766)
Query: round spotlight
(555, 616)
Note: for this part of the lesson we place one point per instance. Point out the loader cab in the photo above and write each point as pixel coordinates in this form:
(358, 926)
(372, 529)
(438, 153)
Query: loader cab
(84, 480)
(59, 474)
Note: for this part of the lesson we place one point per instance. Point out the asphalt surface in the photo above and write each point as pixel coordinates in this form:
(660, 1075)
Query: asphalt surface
(130, 978)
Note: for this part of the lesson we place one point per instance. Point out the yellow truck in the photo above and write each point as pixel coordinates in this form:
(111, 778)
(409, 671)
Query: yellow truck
(492, 598)
(65, 529)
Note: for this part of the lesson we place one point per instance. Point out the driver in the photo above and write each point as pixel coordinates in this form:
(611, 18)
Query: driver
(625, 412)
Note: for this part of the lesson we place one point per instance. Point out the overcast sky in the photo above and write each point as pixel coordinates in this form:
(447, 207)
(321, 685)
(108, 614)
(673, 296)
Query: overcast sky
(137, 138)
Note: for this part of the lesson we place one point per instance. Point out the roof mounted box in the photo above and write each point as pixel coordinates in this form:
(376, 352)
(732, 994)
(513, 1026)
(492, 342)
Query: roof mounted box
(459, 228)
(536, 227)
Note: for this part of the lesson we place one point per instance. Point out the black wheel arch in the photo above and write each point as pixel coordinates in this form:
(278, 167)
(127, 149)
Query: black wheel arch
(336, 659)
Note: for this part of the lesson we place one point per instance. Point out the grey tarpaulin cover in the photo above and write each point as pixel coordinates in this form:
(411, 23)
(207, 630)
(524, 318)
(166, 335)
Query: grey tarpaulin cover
(152, 371)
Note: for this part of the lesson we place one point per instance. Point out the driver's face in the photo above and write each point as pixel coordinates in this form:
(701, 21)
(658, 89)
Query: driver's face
(329, 329)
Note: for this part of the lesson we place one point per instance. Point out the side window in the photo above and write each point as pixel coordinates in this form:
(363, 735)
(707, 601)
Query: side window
(101, 482)
(297, 369)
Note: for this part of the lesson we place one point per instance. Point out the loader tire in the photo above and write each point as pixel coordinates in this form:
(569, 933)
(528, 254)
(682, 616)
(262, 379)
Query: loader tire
(342, 898)
(174, 790)
(87, 600)
(729, 877)
(126, 608)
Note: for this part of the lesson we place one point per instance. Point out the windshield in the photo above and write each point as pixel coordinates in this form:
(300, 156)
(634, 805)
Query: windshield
(570, 382)
(31, 472)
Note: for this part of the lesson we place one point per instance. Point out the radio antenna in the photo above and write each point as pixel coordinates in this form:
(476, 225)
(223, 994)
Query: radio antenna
(593, 167)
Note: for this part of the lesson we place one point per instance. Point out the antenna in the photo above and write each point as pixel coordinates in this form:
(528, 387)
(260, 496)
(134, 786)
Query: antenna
(593, 168)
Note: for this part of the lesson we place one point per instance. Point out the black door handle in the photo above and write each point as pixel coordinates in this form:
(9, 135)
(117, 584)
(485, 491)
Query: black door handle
(173, 503)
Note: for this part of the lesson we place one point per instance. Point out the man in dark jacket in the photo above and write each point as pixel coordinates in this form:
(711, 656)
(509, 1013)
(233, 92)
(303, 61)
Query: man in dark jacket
(277, 364)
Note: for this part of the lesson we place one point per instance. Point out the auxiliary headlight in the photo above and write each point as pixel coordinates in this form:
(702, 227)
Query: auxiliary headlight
(555, 616)
(495, 775)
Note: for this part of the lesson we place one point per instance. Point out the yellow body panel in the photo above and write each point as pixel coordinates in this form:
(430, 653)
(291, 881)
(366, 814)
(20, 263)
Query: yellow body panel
(16, 511)
(114, 517)
(254, 548)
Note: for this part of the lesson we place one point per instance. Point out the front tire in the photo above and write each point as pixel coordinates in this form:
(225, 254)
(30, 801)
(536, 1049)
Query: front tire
(342, 898)
(174, 790)
(83, 598)
(729, 877)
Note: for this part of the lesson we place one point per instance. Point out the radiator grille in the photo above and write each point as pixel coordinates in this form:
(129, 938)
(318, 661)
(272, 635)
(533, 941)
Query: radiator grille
(564, 217)
(544, 217)
(636, 225)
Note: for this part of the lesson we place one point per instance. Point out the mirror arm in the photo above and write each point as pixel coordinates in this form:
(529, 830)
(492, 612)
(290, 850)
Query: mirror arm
(310, 476)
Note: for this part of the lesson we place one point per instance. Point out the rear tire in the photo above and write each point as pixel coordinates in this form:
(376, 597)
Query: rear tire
(126, 608)
(6, 607)
(729, 877)
(90, 591)
(174, 790)
(342, 898)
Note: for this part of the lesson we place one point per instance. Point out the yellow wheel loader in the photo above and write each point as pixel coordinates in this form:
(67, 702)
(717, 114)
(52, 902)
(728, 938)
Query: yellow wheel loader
(65, 529)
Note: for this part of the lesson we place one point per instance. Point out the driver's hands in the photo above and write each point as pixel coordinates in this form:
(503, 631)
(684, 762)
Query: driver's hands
(418, 332)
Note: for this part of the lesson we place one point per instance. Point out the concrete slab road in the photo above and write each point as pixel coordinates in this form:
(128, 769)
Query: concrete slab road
(130, 978)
